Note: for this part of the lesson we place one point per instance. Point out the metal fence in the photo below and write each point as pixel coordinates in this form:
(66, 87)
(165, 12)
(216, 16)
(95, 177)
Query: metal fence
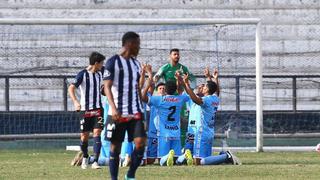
(234, 87)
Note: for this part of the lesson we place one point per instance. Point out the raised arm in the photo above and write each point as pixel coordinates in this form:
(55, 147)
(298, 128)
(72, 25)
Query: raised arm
(216, 80)
(189, 91)
(207, 74)
(142, 77)
(148, 85)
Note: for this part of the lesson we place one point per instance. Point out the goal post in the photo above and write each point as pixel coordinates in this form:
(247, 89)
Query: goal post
(183, 21)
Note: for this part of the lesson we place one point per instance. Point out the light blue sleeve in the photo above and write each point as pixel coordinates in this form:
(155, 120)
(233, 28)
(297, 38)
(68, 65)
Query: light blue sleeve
(154, 101)
(206, 101)
(185, 97)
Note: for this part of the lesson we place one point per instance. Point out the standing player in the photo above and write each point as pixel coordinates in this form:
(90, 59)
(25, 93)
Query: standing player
(169, 107)
(121, 81)
(90, 81)
(153, 131)
(168, 70)
(204, 135)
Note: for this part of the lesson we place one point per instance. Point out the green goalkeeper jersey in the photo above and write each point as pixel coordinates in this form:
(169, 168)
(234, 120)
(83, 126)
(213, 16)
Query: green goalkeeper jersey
(167, 71)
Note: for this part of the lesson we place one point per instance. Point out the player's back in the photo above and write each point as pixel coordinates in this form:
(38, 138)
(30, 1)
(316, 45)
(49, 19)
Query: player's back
(169, 107)
(209, 109)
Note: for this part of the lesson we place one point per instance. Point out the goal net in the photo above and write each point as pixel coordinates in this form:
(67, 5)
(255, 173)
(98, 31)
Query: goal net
(39, 59)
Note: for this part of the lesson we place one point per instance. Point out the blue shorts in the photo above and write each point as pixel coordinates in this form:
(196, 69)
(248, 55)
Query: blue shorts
(152, 148)
(202, 147)
(166, 144)
(189, 142)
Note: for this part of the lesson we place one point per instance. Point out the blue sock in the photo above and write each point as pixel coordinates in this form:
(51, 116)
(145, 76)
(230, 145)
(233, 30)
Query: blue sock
(96, 147)
(181, 159)
(214, 160)
(84, 148)
(163, 160)
(136, 158)
(114, 165)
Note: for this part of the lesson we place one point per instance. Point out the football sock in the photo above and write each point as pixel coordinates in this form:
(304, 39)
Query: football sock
(96, 147)
(114, 165)
(214, 160)
(163, 160)
(84, 148)
(181, 159)
(136, 158)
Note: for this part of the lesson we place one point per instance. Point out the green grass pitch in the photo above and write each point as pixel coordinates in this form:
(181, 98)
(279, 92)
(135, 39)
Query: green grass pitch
(55, 164)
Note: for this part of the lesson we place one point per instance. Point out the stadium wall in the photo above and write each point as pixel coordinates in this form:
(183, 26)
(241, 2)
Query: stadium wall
(290, 36)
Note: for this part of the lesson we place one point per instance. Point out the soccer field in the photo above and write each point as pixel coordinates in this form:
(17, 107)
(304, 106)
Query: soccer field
(55, 164)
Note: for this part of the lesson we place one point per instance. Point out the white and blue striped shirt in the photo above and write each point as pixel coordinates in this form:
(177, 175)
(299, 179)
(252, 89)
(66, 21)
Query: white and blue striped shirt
(125, 75)
(90, 85)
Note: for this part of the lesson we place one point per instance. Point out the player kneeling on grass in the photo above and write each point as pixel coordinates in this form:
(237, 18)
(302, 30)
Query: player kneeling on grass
(153, 130)
(204, 122)
(169, 107)
(90, 82)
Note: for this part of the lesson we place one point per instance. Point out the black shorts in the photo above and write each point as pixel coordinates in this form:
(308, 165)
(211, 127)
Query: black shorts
(87, 124)
(135, 128)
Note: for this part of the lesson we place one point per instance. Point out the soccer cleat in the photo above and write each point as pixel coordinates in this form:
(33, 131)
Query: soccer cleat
(95, 165)
(188, 157)
(77, 160)
(170, 159)
(85, 162)
(233, 159)
(127, 178)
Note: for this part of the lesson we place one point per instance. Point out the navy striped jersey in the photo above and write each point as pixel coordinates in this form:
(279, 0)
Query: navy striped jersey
(90, 85)
(125, 75)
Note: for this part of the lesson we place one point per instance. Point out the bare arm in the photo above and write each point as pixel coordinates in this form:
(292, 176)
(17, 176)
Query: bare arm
(149, 83)
(189, 91)
(207, 74)
(142, 77)
(108, 92)
(216, 80)
(73, 97)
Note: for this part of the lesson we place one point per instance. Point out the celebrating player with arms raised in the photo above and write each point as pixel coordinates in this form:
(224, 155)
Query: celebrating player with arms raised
(204, 122)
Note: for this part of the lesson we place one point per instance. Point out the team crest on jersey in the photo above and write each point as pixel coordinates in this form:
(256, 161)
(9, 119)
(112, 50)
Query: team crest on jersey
(106, 73)
(74, 81)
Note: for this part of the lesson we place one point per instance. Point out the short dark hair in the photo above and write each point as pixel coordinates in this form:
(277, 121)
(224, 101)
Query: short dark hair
(129, 36)
(171, 87)
(96, 57)
(160, 84)
(174, 50)
(212, 86)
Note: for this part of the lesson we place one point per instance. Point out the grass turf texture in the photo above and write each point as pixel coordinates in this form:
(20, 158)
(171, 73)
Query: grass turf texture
(55, 164)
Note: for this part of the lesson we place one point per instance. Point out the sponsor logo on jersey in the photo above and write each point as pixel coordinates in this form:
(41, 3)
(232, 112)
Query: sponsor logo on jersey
(171, 127)
(215, 104)
(106, 73)
(171, 99)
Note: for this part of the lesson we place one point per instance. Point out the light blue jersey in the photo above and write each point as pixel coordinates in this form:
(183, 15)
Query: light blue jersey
(105, 148)
(194, 117)
(204, 135)
(169, 107)
(208, 115)
(153, 127)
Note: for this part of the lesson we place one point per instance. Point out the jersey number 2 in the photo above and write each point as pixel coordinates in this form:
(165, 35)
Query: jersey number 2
(173, 110)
